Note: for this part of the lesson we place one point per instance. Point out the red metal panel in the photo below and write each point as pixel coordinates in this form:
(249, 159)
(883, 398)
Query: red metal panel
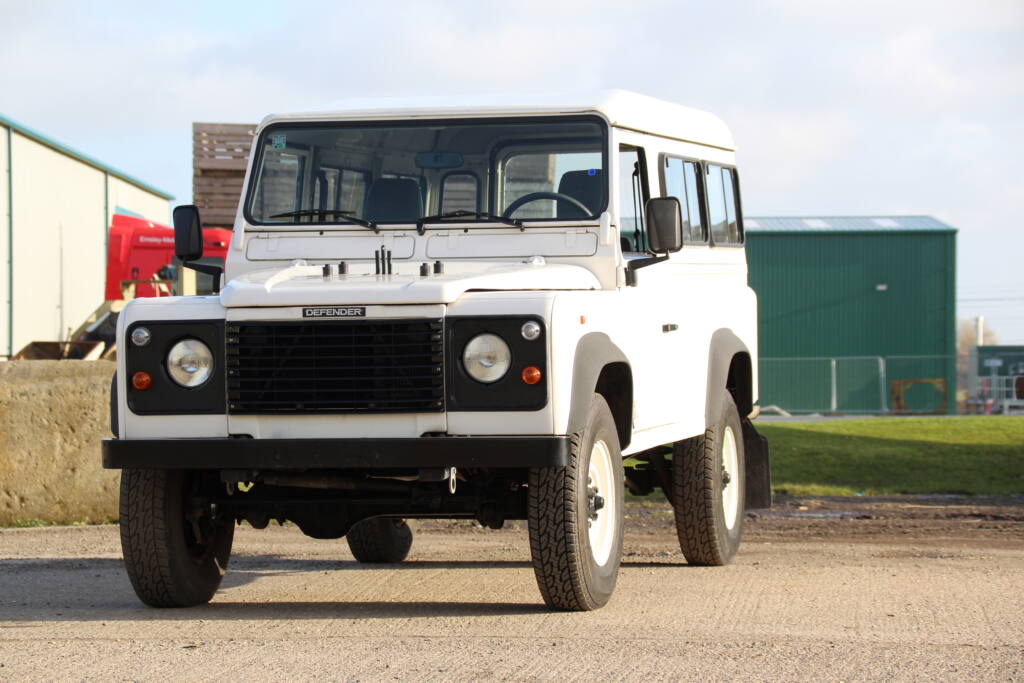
(138, 248)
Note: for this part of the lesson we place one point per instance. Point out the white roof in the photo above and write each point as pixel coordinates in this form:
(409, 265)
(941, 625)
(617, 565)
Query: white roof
(620, 107)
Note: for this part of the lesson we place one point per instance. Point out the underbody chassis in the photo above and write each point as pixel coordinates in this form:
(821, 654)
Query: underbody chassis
(327, 485)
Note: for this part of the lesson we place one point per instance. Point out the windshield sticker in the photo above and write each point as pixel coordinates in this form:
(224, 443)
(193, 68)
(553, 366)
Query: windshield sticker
(278, 141)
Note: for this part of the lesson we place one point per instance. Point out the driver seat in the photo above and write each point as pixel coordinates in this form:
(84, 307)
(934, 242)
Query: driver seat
(586, 186)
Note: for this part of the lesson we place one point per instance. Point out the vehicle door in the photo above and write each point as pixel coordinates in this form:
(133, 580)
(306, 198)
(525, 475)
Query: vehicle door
(652, 317)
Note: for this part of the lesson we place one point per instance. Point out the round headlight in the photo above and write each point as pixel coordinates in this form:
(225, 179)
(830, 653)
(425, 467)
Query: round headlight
(190, 362)
(486, 358)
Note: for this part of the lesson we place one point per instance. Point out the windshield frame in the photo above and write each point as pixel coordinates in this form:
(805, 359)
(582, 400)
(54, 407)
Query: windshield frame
(260, 146)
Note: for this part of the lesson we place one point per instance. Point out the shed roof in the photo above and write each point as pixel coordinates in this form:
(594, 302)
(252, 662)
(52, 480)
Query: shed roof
(826, 224)
(85, 159)
(621, 107)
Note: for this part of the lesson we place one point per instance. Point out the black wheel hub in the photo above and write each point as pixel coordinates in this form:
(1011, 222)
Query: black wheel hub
(594, 502)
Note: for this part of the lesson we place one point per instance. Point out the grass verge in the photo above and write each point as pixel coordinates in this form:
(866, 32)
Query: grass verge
(34, 522)
(885, 456)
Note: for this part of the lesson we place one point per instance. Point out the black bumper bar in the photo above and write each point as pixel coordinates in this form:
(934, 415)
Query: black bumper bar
(280, 454)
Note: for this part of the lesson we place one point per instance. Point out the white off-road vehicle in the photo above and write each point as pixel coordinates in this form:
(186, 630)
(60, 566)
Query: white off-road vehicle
(492, 311)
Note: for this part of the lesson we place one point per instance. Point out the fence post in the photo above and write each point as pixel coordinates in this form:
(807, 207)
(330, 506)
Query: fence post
(835, 394)
(882, 382)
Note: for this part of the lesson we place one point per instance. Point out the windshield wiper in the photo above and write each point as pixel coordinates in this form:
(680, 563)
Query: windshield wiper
(342, 216)
(462, 213)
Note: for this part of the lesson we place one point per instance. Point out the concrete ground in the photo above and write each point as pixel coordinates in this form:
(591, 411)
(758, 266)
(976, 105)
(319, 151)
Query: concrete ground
(831, 589)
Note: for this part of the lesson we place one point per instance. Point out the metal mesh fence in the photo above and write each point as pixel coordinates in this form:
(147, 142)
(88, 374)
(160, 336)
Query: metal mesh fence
(858, 384)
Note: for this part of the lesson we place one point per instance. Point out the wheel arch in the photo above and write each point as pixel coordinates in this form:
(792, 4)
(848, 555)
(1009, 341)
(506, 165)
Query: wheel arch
(600, 366)
(729, 367)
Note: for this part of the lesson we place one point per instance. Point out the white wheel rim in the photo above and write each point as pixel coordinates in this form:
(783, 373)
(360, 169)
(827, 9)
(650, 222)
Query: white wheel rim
(730, 486)
(601, 482)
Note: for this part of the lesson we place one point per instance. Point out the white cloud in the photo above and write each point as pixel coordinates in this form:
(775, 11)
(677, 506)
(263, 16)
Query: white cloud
(907, 73)
(787, 157)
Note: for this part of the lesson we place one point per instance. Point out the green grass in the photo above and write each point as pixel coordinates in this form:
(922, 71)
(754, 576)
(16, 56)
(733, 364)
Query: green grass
(882, 456)
(28, 523)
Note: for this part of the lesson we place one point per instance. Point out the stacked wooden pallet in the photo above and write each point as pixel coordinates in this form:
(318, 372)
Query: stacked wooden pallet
(220, 152)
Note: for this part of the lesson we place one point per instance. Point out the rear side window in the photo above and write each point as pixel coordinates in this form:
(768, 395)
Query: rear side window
(723, 213)
(681, 183)
(459, 192)
(351, 191)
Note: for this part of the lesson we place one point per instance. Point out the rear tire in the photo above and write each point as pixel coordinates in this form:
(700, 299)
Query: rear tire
(708, 490)
(380, 540)
(172, 561)
(575, 517)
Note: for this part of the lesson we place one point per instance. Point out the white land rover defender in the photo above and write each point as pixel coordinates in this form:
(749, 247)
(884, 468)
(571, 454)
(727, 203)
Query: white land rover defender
(492, 311)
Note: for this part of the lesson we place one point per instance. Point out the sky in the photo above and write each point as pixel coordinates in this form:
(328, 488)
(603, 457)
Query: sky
(875, 107)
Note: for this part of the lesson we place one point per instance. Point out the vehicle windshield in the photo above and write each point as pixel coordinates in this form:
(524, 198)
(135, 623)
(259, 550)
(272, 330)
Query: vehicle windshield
(369, 174)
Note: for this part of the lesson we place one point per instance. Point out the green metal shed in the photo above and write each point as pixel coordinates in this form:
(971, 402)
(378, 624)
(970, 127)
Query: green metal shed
(856, 314)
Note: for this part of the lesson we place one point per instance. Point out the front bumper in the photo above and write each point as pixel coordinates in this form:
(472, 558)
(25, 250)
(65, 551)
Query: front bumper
(307, 454)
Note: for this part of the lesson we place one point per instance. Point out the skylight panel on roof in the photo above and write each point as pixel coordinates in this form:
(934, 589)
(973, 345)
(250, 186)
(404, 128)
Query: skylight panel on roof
(886, 223)
(815, 223)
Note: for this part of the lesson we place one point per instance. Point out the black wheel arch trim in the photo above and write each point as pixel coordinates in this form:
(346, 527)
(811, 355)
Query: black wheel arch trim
(595, 352)
(113, 406)
(724, 346)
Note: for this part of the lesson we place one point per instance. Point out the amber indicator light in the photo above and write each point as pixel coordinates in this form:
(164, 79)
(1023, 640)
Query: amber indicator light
(531, 374)
(141, 380)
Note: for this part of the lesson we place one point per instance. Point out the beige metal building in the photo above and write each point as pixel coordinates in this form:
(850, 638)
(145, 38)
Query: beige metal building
(55, 206)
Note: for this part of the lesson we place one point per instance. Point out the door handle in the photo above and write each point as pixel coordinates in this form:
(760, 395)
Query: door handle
(669, 327)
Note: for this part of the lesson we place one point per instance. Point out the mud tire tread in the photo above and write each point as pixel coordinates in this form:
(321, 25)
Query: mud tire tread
(696, 497)
(554, 547)
(147, 530)
(566, 573)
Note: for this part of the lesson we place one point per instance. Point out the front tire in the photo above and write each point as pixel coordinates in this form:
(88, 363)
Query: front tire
(175, 553)
(575, 517)
(708, 490)
(380, 540)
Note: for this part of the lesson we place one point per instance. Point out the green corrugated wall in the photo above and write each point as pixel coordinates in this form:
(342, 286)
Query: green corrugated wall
(819, 297)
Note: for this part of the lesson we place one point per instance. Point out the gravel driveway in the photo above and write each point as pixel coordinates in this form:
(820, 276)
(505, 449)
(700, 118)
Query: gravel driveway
(822, 589)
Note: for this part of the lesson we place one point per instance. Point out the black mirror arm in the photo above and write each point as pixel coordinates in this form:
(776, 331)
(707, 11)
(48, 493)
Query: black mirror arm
(207, 268)
(637, 264)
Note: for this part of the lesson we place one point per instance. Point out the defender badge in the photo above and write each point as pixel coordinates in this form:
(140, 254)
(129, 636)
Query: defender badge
(334, 312)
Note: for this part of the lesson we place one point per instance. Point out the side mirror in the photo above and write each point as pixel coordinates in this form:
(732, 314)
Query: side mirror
(664, 224)
(188, 233)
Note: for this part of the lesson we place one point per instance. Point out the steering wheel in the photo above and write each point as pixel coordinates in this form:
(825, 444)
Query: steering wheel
(537, 196)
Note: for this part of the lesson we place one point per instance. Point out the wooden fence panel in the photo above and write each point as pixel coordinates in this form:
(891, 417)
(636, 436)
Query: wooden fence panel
(220, 152)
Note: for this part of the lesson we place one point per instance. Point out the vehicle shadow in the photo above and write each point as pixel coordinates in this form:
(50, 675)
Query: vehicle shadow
(97, 589)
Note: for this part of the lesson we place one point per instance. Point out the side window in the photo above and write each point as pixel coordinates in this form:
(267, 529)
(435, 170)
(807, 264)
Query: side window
(716, 204)
(280, 186)
(351, 191)
(731, 214)
(459, 192)
(681, 183)
(632, 197)
(325, 188)
(722, 206)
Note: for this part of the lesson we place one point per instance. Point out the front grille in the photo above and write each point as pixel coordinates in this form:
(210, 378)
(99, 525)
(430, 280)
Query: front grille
(366, 366)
